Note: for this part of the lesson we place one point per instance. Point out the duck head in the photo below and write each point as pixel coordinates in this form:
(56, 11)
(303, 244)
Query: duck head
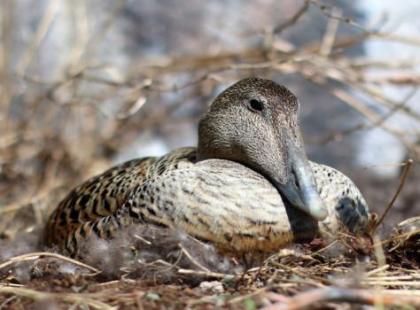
(255, 122)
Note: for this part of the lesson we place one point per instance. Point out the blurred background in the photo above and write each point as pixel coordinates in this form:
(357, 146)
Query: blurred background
(85, 84)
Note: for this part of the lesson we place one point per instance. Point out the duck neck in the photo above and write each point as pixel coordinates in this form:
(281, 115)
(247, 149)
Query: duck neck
(204, 149)
(203, 152)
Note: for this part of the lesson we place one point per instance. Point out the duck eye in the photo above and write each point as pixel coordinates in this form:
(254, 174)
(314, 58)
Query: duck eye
(256, 105)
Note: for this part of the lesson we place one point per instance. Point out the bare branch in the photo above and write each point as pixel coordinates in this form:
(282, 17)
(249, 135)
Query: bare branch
(293, 19)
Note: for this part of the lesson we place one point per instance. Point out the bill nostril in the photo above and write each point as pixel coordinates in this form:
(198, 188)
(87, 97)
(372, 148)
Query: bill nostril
(295, 182)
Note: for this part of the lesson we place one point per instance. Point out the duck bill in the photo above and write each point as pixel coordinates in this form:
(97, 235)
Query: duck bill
(300, 189)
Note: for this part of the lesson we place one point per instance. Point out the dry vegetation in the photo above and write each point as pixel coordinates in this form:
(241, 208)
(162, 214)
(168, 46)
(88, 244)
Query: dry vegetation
(55, 133)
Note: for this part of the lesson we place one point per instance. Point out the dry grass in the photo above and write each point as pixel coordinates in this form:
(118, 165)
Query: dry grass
(41, 159)
(348, 271)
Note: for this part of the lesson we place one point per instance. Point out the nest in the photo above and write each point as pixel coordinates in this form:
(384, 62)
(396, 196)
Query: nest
(153, 267)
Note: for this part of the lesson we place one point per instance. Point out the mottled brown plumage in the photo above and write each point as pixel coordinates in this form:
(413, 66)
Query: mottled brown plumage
(247, 186)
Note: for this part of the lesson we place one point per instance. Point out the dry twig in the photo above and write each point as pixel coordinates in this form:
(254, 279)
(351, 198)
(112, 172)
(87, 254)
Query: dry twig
(403, 178)
(343, 295)
(39, 255)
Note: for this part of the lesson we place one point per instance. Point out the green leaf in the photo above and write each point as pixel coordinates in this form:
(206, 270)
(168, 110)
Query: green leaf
(152, 296)
(249, 304)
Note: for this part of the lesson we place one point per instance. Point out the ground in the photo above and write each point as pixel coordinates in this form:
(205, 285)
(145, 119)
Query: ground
(361, 270)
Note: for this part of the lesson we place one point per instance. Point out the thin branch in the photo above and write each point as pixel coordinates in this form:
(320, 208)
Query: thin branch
(72, 298)
(292, 20)
(403, 178)
(214, 275)
(38, 255)
(335, 294)
(330, 34)
(192, 259)
(42, 30)
(363, 126)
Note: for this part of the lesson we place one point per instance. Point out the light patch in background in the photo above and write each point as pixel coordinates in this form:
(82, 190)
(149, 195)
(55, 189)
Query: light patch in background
(146, 144)
(379, 150)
